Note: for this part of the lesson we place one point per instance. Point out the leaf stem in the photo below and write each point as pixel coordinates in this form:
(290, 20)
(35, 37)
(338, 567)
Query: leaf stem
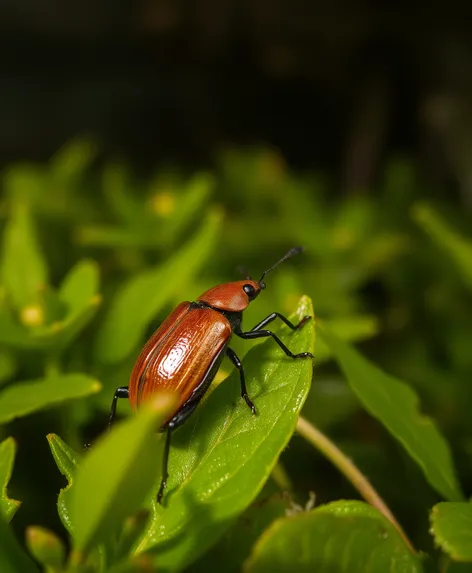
(350, 471)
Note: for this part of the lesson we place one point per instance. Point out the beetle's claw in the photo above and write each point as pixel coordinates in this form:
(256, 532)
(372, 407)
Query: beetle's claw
(303, 321)
(304, 355)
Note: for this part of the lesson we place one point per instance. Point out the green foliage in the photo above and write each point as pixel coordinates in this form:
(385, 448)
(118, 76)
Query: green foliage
(8, 507)
(395, 405)
(92, 260)
(345, 536)
(451, 525)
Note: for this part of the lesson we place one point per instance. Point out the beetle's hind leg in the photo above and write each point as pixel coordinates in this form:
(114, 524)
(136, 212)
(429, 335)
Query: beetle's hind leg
(121, 392)
(252, 334)
(231, 354)
(165, 463)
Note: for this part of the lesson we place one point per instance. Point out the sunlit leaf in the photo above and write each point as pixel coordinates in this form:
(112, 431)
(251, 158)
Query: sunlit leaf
(143, 296)
(451, 526)
(223, 455)
(67, 461)
(24, 270)
(116, 476)
(343, 537)
(46, 547)
(8, 507)
(23, 398)
(395, 405)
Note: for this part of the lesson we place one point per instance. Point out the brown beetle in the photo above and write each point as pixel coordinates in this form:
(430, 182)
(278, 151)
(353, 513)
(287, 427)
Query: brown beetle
(185, 352)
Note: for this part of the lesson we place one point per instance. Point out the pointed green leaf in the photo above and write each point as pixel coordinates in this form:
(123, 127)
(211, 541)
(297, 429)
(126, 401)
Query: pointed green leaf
(223, 455)
(26, 397)
(395, 405)
(13, 558)
(343, 537)
(80, 285)
(143, 296)
(451, 526)
(46, 547)
(116, 476)
(67, 461)
(458, 248)
(24, 270)
(8, 507)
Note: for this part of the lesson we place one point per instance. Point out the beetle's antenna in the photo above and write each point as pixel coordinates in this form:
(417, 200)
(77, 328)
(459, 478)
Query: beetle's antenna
(291, 253)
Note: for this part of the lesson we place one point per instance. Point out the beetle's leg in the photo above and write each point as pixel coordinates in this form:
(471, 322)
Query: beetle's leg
(165, 472)
(275, 315)
(266, 333)
(231, 354)
(119, 393)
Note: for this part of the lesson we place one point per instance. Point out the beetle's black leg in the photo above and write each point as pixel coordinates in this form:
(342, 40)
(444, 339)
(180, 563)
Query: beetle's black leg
(165, 472)
(266, 333)
(231, 354)
(119, 393)
(275, 315)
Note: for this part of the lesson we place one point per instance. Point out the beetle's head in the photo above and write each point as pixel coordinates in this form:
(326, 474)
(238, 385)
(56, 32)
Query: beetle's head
(236, 296)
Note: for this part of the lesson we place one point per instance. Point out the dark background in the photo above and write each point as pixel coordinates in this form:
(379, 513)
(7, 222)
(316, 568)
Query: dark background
(334, 85)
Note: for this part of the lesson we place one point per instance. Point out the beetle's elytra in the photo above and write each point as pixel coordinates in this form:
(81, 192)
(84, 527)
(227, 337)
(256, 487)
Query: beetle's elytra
(185, 352)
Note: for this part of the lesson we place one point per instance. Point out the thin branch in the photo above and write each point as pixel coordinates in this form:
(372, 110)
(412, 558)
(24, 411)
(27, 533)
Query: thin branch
(350, 471)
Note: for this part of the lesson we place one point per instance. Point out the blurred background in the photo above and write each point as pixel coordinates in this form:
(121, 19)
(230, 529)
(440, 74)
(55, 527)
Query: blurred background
(222, 133)
(337, 86)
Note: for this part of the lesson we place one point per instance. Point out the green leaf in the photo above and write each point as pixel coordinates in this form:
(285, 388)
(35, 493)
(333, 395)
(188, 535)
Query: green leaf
(395, 405)
(24, 270)
(26, 397)
(52, 336)
(451, 526)
(143, 296)
(349, 328)
(344, 536)
(197, 193)
(80, 285)
(7, 366)
(46, 547)
(71, 160)
(8, 507)
(116, 476)
(223, 455)
(12, 556)
(458, 248)
(67, 461)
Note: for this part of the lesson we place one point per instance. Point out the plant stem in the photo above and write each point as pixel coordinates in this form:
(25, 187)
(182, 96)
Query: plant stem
(350, 471)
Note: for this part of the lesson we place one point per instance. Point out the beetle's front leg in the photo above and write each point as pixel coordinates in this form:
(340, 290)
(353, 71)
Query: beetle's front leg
(231, 354)
(275, 315)
(265, 334)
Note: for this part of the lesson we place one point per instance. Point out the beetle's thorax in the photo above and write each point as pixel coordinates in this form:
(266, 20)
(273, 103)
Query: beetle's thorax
(231, 297)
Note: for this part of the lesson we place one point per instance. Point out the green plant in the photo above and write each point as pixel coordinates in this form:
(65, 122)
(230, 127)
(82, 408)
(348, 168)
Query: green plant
(93, 260)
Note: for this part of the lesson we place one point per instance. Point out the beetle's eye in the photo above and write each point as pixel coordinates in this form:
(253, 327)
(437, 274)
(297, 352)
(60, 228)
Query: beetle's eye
(249, 290)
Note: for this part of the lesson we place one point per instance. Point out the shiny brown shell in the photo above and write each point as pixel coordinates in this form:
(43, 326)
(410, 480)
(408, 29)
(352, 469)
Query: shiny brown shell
(179, 354)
